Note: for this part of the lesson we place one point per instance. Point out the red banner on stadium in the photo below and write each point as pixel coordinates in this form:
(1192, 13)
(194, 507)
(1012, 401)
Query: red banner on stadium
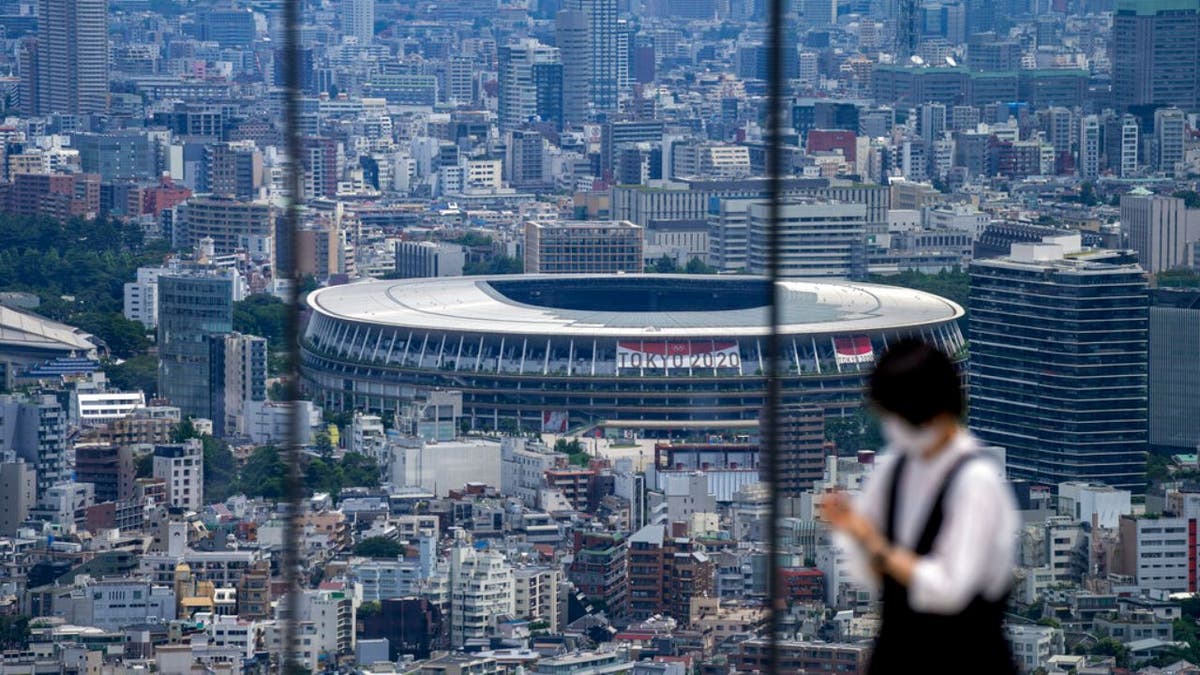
(854, 349)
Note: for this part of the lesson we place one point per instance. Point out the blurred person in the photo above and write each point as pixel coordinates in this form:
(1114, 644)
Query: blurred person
(934, 527)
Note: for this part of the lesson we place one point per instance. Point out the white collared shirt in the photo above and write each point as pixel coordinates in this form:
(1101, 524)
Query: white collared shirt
(975, 551)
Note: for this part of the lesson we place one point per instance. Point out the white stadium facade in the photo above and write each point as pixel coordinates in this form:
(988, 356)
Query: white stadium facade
(643, 352)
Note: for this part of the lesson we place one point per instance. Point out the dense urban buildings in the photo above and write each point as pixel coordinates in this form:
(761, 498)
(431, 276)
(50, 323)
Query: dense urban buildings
(533, 352)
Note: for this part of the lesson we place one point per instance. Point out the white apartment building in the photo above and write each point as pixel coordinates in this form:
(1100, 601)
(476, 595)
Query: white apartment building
(523, 466)
(1034, 645)
(482, 593)
(182, 467)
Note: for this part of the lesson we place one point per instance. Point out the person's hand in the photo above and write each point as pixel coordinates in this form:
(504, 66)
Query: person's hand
(838, 511)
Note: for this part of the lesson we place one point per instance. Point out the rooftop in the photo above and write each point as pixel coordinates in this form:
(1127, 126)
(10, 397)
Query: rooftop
(635, 305)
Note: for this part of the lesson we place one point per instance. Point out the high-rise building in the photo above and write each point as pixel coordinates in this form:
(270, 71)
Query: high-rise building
(817, 239)
(525, 163)
(801, 444)
(1127, 152)
(1170, 129)
(818, 13)
(1058, 362)
(583, 247)
(1155, 53)
(518, 83)
(181, 466)
(237, 377)
(191, 307)
(908, 28)
(571, 34)
(1158, 228)
(35, 430)
(1089, 147)
(358, 20)
(931, 121)
(1174, 369)
(71, 68)
(601, 16)
(460, 79)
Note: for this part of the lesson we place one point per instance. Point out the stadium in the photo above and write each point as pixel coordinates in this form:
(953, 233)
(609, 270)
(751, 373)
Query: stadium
(655, 354)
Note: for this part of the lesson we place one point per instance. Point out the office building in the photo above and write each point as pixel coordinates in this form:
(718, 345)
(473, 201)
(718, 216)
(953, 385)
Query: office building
(817, 239)
(18, 494)
(1155, 53)
(1089, 147)
(1158, 553)
(583, 247)
(34, 430)
(228, 27)
(1058, 362)
(818, 13)
(1170, 130)
(237, 377)
(192, 307)
(181, 466)
(117, 155)
(234, 170)
(601, 17)
(1174, 370)
(518, 83)
(1159, 228)
(420, 259)
(70, 66)
(358, 20)
(571, 35)
(482, 590)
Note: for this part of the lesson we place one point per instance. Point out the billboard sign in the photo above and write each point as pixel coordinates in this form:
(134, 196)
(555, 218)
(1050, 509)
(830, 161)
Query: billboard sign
(667, 356)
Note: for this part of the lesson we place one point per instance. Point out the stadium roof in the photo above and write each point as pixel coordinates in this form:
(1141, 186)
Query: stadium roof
(635, 305)
(22, 330)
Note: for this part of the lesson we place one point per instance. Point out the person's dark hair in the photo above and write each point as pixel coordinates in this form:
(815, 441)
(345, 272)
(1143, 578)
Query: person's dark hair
(916, 381)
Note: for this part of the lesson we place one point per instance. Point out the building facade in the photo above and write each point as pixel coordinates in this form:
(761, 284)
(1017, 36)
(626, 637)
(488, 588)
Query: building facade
(583, 247)
(1058, 362)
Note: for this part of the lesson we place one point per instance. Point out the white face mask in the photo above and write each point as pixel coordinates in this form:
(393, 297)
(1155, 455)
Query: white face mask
(906, 438)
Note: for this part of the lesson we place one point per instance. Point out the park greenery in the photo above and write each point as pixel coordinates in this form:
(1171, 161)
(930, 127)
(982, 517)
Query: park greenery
(78, 269)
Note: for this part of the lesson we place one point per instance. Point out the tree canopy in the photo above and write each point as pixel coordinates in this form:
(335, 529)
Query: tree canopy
(378, 547)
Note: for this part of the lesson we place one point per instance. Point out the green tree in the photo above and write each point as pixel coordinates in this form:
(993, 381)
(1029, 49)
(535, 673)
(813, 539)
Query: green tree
(14, 631)
(264, 474)
(1178, 278)
(859, 431)
(262, 315)
(124, 338)
(143, 465)
(1087, 194)
(323, 444)
(220, 470)
(1191, 198)
(139, 373)
(696, 266)
(378, 547)
(665, 265)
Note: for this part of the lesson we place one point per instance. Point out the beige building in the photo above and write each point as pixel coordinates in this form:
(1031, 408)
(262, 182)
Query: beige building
(583, 247)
